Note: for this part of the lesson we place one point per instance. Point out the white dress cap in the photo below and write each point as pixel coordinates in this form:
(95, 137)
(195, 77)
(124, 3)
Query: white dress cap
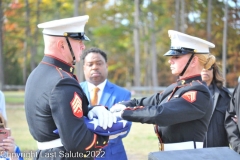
(181, 40)
(59, 27)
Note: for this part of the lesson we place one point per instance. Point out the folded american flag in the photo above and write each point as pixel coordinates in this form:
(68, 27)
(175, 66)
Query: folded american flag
(118, 127)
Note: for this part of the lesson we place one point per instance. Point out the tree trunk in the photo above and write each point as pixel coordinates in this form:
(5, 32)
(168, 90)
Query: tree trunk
(1, 48)
(136, 45)
(35, 38)
(78, 66)
(183, 28)
(153, 54)
(209, 20)
(28, 36)
(147, 66)
(224, 47)
(177, 13)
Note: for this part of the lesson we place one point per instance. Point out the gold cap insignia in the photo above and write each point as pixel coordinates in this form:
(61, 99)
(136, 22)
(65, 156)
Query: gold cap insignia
(183, 81)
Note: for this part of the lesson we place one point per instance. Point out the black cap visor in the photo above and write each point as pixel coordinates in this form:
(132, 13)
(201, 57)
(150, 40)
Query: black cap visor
(77, 36)
(175, 53)
(179, 52)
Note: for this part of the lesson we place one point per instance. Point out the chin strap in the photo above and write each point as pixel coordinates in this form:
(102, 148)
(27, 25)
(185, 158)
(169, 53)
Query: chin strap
(187, 65)
(73, 56)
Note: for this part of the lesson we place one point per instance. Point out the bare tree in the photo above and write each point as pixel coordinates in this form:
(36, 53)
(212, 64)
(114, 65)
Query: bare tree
(82, 5)
(209, 20)
(27, 34)
(183, 28)
(145, 30)
(153, 54)
(136, 44)
(35, 38)
(78, 66)
(224, 46)
(1, 47)
(177, 13)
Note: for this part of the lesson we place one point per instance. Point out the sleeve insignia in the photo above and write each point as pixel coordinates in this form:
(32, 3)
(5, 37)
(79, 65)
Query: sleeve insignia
(76, 105)
(190, 96)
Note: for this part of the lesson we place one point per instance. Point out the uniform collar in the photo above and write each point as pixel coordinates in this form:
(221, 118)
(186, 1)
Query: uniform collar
(58, 63)
(189, 79)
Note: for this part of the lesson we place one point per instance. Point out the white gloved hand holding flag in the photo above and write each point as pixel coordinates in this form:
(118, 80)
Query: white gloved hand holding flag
(117, 110)
(120, 128)
(105, 117)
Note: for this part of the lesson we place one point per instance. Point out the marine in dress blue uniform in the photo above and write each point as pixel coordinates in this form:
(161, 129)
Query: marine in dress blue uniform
(181, 113)
(54, 99)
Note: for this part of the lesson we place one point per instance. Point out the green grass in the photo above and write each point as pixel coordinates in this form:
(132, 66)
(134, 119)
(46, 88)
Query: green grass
(14, 97)
(140, 141)
(19, 128)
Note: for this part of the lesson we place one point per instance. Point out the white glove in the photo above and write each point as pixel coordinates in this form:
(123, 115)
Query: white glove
(117, 108)
(105, 118)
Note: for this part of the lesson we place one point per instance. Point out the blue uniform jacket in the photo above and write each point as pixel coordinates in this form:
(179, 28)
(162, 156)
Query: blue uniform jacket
(112, 94)
(181, 112)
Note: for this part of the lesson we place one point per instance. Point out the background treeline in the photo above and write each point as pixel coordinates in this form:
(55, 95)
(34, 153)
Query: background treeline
(132, 32)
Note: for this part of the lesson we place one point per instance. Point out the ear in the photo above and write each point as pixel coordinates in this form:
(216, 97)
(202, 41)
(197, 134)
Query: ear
(60, 45)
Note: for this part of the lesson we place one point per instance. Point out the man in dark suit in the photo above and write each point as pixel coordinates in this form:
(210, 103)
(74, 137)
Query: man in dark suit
(96, 71)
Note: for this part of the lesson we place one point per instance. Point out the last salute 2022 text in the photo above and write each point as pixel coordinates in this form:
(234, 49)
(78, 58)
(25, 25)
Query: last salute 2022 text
(62, 154)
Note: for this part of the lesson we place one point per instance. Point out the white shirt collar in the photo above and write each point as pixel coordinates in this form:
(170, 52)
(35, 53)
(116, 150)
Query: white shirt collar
(100, 86)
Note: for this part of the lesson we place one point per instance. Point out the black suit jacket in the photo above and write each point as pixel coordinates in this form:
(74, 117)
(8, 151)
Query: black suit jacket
(216, 134)
(181, 112)
(233, 128)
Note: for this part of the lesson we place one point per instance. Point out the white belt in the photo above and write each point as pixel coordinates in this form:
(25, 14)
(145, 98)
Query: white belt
(182, 146)
(50, 144)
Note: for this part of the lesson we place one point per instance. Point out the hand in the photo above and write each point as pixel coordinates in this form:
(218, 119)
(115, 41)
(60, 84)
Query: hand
(8, 145)
(105, 118)
(118, 114)
(117, 108)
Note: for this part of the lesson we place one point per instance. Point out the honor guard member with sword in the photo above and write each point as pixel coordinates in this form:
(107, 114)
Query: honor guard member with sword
(54, 99)
(181, 113)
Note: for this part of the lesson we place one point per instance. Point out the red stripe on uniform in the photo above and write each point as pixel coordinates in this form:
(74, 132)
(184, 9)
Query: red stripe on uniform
(93, 142)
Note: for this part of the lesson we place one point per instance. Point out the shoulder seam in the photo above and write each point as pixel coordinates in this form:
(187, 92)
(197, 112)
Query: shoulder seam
(59, 70)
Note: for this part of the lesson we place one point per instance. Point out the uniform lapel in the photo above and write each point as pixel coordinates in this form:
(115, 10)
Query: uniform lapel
(216, 95)
(85, 89)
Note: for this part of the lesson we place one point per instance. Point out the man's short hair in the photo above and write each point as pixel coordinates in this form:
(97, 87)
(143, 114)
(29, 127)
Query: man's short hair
(94, 50)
